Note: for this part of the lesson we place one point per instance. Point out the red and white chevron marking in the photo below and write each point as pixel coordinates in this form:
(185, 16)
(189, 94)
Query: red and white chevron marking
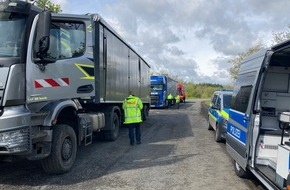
(47, 83)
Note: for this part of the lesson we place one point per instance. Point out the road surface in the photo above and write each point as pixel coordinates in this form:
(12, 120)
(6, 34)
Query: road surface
(178, 152)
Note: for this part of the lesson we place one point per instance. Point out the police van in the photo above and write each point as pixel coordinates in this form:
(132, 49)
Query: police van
(259, 118)
(218, 113)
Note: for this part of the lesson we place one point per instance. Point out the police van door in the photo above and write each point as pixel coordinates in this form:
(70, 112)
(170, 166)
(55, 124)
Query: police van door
(240, 119)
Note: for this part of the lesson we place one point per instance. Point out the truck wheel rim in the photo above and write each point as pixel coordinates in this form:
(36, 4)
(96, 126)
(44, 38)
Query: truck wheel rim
(66, 149)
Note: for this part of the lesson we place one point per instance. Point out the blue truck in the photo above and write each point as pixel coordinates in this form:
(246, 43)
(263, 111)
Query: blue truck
(161, 87)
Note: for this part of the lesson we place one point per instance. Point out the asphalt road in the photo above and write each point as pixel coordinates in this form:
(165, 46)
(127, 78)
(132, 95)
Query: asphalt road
(178, 152)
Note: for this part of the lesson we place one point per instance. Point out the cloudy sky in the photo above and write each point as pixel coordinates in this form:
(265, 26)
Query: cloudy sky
(191, 39)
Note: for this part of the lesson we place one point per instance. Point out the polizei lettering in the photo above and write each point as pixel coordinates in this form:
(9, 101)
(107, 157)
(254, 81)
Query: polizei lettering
(236, 132)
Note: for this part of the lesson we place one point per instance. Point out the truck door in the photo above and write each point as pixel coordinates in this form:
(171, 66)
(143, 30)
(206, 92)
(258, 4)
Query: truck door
(240, 117)
(70, 74)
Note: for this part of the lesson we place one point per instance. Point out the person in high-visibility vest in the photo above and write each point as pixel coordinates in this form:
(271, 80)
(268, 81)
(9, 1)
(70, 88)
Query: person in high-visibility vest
(132, 107)
(177, 100)
(169, 100)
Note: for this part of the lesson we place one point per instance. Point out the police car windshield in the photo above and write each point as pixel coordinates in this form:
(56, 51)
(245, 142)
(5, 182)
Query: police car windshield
(227, 100)
(11, 34)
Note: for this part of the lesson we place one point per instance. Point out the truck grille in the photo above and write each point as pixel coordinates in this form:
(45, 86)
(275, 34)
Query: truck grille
(154, 100)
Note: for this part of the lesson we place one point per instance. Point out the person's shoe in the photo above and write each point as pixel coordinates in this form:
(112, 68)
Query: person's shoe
(139, 142)
(132, 143)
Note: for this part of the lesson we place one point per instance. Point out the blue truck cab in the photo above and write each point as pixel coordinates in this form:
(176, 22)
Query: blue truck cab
(161, 87)
(218, 113)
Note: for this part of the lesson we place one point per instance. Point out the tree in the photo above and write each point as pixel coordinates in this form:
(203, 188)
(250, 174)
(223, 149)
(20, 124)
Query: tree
(281, 36)
(44, 4)
(236, 61)
(278, 37)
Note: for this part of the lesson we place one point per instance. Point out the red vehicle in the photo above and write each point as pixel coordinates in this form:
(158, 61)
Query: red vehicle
(181, 91)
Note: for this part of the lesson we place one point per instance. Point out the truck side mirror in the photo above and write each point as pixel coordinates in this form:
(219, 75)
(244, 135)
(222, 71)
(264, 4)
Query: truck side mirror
(43, 32)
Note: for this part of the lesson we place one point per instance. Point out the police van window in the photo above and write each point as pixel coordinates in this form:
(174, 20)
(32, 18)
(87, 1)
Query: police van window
(67, 40)
(242, 91)
(227, 100)
(214, 98)
(218, 103)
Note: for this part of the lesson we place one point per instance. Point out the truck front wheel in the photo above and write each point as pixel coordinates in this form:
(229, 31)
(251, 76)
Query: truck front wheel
(63, 151)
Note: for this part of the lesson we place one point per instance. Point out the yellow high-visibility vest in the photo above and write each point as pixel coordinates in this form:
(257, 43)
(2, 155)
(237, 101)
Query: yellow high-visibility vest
(170, 97)
(132, 107)
(177, 98)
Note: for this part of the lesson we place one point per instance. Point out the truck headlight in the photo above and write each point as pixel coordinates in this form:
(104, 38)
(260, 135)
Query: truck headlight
(15, 141)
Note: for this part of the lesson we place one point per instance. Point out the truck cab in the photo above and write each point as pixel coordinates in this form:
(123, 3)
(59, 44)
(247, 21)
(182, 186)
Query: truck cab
(161, 87)
(181, 92)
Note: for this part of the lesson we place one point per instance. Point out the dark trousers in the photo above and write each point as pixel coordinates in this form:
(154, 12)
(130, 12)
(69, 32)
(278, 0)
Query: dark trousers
(137, 128)
(169, 103)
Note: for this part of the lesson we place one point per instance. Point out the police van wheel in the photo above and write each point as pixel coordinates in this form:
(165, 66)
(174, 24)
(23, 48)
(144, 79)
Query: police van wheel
(63, 151)
(218, 136)
(209, 127)
(240, 171)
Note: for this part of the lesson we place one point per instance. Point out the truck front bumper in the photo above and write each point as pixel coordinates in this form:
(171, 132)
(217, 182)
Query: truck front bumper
(15, 135)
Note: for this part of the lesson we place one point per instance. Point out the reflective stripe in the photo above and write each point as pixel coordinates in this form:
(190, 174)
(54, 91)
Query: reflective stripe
(225, 115)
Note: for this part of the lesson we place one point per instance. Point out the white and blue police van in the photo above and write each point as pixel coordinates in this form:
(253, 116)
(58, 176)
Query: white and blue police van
(259, 117)
(218, 113)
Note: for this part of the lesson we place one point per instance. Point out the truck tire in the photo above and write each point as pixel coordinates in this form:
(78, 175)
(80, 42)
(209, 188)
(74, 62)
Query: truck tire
(240, 171)
(63, 151)
(145, 113)
(112, 135)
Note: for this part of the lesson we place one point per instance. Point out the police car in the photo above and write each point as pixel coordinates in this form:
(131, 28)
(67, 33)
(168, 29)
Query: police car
(218, 113)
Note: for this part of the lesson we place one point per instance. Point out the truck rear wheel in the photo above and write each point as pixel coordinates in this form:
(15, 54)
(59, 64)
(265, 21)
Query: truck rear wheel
(113, 134)
(145, 113)
(63, 151)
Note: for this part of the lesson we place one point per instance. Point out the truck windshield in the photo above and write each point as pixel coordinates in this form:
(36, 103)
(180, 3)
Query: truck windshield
(11, 34)
(156, 87)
